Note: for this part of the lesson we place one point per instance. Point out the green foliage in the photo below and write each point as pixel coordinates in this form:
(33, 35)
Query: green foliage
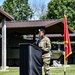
(56, 10)
(44, 17)
(18, 8)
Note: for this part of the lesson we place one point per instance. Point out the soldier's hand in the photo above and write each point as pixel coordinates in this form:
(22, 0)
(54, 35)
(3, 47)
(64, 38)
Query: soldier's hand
(43, 56)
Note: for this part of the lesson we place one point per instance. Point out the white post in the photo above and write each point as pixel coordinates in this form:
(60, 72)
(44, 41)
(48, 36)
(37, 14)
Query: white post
(4, 44)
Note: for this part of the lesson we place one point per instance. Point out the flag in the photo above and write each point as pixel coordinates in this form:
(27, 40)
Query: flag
(67, 44)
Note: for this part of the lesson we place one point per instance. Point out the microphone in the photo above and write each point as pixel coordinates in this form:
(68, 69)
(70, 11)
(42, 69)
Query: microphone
(36, 41)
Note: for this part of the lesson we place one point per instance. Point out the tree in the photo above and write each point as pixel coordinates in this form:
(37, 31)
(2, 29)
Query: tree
(43, 17)
(20, 9)
(56, 10)
(39, 8)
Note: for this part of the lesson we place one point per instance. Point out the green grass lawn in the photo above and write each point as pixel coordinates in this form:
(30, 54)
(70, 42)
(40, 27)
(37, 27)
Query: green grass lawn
(53, 71)
(12, 71)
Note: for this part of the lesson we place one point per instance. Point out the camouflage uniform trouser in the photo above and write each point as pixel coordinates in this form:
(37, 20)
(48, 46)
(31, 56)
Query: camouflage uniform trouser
(46, 63)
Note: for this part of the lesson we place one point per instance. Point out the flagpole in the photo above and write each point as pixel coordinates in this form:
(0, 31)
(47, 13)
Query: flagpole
(67, 44)
(64, 64)
(64, 52)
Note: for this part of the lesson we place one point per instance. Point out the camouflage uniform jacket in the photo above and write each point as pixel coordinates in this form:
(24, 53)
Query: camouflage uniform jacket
(45, 45)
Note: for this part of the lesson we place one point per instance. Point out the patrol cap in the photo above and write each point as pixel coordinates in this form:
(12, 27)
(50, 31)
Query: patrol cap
(41, 30)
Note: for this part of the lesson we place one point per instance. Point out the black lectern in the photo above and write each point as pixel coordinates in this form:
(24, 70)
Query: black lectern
(30, 60)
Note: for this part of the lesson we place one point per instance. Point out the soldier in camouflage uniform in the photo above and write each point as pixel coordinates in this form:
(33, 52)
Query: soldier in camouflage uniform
(45, 45)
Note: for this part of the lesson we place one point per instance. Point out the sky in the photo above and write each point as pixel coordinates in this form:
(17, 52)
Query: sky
(34, 2)
(37, 1)
(36, 5)
(1, 2)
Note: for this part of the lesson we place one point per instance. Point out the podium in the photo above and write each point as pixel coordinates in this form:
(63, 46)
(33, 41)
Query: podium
(30, 60)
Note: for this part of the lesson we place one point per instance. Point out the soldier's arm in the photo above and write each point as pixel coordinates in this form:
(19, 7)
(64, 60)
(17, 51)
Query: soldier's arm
(48, 43)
